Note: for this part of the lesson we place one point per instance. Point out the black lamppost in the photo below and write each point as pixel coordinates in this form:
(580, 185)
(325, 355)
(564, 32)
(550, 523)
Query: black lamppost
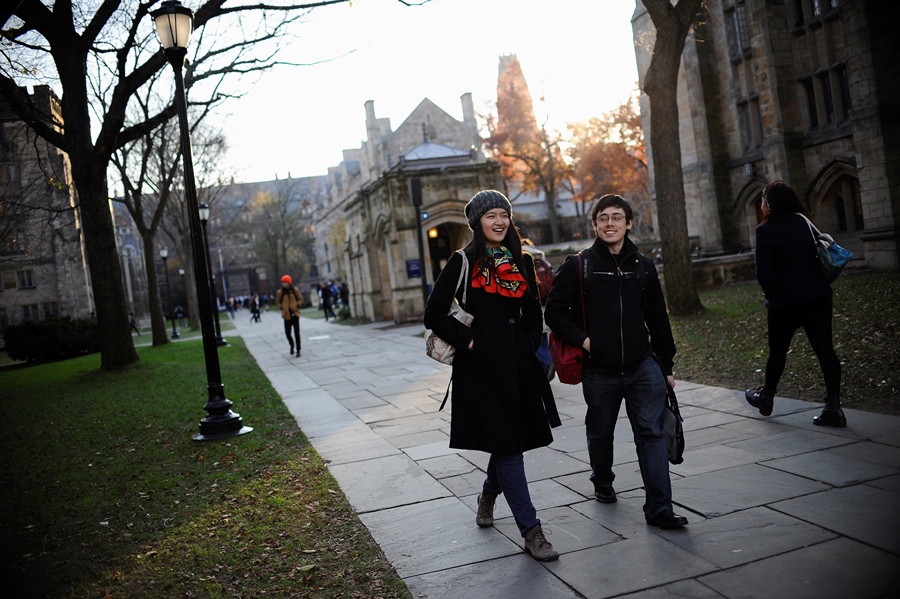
(174, 25)
(415, 192)
(204, 217)
(184, 290)
(164, 254)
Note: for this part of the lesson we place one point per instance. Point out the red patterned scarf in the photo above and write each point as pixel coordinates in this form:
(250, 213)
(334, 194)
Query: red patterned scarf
(497, 273)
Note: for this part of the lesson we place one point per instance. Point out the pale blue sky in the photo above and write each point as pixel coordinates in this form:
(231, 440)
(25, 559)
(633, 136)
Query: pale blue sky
(578, 54)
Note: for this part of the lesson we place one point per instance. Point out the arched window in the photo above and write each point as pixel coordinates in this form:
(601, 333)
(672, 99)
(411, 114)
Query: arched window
(840, 210)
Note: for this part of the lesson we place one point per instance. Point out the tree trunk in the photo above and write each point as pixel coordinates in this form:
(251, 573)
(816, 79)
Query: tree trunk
(661, 84)
(116, 343)
(157, 317)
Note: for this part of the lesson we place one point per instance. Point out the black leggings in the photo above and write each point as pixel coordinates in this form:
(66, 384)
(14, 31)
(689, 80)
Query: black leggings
(815, 318)
(293, 323)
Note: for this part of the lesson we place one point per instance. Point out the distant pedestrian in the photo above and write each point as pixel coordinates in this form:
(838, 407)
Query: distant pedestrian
(289, 299)
(254, 309)
(502, 401)
(230, 304)
(345, 295)
(797, 295)
(132, 322)
(179, 314)
(326, 293)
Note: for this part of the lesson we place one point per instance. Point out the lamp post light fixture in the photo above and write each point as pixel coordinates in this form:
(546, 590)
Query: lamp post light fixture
(204, 217)
(174, 25)
(164, 254)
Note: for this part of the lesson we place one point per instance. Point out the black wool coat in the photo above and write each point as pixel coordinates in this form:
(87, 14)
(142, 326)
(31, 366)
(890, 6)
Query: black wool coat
(787, 262)
(502, 402)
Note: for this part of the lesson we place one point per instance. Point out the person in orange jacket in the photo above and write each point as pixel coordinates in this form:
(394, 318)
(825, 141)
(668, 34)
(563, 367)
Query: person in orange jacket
(289, 299)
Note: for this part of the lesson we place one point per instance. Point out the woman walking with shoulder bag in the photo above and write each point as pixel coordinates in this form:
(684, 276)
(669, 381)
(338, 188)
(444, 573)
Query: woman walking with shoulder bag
(797, 295)
(502, 402)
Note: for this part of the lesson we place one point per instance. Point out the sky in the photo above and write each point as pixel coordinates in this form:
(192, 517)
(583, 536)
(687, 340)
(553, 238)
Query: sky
(577, 55)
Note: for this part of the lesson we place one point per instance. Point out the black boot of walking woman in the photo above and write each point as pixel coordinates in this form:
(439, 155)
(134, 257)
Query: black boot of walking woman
(832, 415)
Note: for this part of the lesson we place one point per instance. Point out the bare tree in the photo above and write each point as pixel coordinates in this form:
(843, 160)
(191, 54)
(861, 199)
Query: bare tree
(672, 23)
(608, 156)
(100, 53)
(280, 225)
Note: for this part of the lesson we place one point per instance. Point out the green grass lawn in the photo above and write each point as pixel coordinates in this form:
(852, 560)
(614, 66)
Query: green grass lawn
(726, 345)
(104, 493)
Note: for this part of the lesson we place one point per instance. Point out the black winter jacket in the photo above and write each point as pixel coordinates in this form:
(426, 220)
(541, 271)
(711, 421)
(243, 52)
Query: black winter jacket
(626, 318)
(502, 401)
(787, 262)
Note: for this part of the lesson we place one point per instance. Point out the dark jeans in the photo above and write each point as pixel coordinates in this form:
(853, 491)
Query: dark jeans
(815, 318)
(293, 323)
(644, 392)
(506, 475)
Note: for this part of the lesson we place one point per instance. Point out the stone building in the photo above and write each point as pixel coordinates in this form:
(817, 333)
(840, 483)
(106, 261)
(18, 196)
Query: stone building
(366, 232)
(805, 91)
(234, 230)
(43, 265)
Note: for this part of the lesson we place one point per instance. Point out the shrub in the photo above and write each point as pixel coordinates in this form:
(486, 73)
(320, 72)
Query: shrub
(52, 339)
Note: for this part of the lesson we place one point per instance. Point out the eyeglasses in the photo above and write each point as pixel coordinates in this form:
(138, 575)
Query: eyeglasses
(605, 218)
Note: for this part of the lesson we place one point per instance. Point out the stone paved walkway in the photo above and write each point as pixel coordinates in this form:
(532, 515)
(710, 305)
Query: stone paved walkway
(778, 507)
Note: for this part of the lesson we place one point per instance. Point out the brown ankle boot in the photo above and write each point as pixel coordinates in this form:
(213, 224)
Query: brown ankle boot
(485, 515)
(539, 547)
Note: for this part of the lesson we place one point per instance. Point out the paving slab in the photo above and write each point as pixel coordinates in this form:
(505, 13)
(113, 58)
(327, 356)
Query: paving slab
(868, 451)
(746, 536)
(624, 518)
(515, 576)
(546, 462)
(386, 482)
(417, 439)
(628, 566)
(831, 468)
(862, 512)
(891, 483)
(733, 489)
(444, 536)
(710, 458)
(789, 443)
(837, 569)
(566, 529)
(447, 466)
(683, 589)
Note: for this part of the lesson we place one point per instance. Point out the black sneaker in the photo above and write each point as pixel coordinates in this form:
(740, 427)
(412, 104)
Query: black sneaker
(292, 350)
(605, 494)
(762, 399)
(667, 519)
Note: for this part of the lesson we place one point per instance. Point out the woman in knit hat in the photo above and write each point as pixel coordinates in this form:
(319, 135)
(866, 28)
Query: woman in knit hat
(502, 402)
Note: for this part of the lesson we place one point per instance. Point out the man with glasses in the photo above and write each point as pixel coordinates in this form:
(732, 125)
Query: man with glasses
(628, 352)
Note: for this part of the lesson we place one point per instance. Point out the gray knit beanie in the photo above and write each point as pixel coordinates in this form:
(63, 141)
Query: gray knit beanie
(483, 201)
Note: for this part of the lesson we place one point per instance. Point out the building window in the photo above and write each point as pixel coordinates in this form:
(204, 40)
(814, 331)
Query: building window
(827, 98)
(738, 31)
(31, 312)
(51, 310)
(25, 278)
(751, 124)
(844, 86)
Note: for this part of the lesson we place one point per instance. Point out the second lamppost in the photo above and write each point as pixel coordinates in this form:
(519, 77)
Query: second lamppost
(164, 254)
(174, 25)
(204, 217)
